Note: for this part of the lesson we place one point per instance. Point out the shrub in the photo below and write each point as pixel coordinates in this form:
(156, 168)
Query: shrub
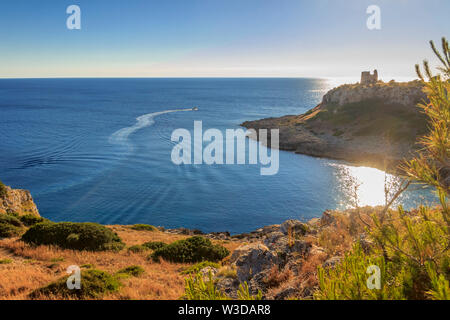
(10, 226)
(154, 245)
(131, 271)
(9, 219)
(138, 248)
(5, 261)
(194, 249)
(30, 220)
(94, 284)
(143, 227)
(199, 266)
(76, 236)
(2, 190)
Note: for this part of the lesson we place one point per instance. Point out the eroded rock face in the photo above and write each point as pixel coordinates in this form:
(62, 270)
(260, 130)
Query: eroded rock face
(253, 259)
(18, 201)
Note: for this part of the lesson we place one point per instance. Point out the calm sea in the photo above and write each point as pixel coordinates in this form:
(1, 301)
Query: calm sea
(77, 146)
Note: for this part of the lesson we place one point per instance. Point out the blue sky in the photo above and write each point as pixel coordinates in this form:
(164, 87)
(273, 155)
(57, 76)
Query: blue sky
(217, 38)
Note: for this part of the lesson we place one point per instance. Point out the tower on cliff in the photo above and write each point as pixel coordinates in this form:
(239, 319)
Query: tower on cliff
(368, 78)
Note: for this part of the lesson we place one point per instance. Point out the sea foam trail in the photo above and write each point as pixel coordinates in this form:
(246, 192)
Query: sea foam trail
(146, 120)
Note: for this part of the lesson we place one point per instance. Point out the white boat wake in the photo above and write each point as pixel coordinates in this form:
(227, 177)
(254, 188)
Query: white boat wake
(146, 120)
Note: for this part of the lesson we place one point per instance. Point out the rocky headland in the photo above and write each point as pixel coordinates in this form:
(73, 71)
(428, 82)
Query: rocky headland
(368, 124)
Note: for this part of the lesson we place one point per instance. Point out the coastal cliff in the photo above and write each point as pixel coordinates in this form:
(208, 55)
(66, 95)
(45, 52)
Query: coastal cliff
(368, 124)
(17, 201)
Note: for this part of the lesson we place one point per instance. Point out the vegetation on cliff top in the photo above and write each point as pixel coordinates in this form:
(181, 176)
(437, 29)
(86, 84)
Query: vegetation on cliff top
(77, 236)
(2, 190)
(194, 249)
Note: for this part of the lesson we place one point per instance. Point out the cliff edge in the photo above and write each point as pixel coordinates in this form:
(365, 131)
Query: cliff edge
(17, 201)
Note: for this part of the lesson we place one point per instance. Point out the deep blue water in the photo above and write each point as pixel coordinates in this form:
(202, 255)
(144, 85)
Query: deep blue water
(58, 141)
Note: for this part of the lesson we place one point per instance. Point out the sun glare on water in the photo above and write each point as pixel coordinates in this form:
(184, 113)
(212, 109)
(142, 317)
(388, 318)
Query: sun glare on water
(363, 186)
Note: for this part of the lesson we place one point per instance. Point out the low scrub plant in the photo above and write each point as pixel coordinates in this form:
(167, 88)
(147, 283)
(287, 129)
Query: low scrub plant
(76, 236)
(143, 227)
(5, 261)
(138, 248)
(154, 245)
(131, 271)
(94, 284)
(191, 250)
(30, 220)
(10, 226)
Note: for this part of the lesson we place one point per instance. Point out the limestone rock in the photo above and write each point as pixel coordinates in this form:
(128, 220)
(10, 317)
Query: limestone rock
(295, 226)
(253, 259)
(228, 286)
(18, 201)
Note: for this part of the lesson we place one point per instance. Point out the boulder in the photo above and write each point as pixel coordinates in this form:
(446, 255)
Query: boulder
(276, 241)
(228, 286)
(253, 259)
(295, 226)
(300, 247)
(259, 282)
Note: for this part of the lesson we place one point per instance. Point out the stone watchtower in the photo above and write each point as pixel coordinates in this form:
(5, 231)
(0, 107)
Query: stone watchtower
(368, 78)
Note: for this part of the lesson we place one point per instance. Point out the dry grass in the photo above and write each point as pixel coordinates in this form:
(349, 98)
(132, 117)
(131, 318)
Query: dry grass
(34, 267)
(339, 236)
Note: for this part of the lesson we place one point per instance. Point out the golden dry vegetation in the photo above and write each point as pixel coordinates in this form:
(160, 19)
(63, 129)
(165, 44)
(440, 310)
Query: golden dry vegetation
(24, 268)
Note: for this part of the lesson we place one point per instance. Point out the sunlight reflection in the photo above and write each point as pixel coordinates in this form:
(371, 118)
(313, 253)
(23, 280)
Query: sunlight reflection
(363, 186)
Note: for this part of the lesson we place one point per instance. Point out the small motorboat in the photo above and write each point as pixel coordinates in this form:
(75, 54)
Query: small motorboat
(194, 109)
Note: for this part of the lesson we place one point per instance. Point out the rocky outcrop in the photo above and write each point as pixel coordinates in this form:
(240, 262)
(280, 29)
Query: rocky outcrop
(17, 201)
(279, 246)
(253, 259)
(375, 125)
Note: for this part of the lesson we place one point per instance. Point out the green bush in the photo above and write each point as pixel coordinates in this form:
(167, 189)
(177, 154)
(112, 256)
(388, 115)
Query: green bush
(131, 271)
(154, 245)
(199, 266)
(2, 190)
(94, 284)
(76, 236)
(194, 249)
(10, 226)
(143, 227)
(5, 261)
(138, 248)
(30, 220)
